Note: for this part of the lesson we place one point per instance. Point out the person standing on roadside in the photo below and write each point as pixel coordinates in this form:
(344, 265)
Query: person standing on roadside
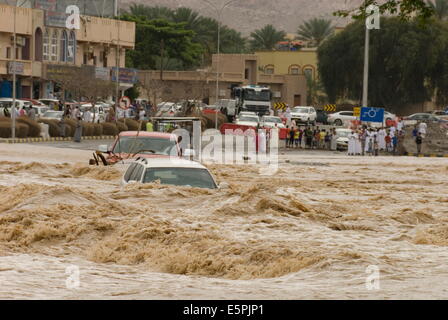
(32, 113)
(419, 142)
(422, 127)
(334, 140)
(309, 137)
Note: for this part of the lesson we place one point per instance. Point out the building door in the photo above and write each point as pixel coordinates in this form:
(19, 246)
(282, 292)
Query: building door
(297, 100)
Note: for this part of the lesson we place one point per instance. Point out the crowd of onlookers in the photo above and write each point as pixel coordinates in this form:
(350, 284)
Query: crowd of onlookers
(362, 140)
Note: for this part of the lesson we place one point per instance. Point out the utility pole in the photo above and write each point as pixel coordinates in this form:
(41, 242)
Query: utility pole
(219, 11)
(117, 61)
(14, 91)
(365, 86)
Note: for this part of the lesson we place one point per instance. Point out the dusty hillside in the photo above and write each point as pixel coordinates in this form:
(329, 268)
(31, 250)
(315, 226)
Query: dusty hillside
(248, 15)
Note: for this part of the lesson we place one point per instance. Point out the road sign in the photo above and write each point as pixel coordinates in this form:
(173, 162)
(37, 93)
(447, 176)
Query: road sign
(330, 108)
(125, 103)
(357, 111)
(372, 114)
(280, 106)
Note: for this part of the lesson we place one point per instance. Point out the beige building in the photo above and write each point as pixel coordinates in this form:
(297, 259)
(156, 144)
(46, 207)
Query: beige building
(234, 70)
(45, 47)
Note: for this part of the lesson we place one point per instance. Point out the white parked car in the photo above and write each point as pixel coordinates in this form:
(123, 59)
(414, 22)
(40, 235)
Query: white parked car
(247, 120)
(304, 114)
(53, 115)
(339, 118)
(342, 138)
(98, 112)
(7, 103)
(272, 122)
(178, 172)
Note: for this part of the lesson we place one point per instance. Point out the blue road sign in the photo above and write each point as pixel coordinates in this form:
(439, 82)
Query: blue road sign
(372, 114)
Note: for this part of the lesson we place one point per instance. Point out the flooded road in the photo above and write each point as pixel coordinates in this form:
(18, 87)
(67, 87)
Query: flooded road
(312, 231)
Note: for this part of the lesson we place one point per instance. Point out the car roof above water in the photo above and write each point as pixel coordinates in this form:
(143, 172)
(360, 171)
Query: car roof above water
(170, 163)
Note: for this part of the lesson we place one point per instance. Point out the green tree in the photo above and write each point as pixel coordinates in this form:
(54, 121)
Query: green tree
(150, 13)
(315, 30)
(407, 63)
(266, 38)
(159, 42)
(405, 9)
(440, 8)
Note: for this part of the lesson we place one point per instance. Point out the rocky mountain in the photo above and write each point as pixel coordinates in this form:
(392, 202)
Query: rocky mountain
(248, 15)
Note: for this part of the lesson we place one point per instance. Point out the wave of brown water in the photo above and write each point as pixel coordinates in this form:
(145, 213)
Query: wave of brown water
(319, 227)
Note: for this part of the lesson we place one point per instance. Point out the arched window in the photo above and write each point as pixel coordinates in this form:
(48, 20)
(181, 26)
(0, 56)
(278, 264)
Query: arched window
(64, 43)
(269, 69)
(54, 46)
(46, 45)
(308, 71)
(71, 48)
(38, 45)
(294, 69)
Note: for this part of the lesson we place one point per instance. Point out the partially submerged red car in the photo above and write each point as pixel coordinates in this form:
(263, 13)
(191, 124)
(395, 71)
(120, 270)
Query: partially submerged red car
(130, 145)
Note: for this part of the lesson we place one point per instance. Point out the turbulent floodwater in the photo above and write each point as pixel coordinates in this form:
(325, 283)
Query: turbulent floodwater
(309, 232)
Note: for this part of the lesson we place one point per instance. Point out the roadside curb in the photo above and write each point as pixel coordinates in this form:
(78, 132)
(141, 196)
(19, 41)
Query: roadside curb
(55, 139)
(426, 155)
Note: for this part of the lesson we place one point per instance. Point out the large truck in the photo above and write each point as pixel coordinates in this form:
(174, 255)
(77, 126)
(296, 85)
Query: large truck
(253, 98)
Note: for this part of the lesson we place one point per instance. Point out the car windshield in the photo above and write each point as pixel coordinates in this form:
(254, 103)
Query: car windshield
(192, 177)
(253, 95)
(146, 145)
(342, 134)
(272, 119)
(300, 110)
(53, 114)
(248, 118)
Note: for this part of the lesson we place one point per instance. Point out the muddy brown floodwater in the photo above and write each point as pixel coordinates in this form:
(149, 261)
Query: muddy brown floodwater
(309, 232)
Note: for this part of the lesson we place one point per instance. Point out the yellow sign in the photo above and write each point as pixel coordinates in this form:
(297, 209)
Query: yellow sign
(330, 108)
(357, 111)
(280, 106)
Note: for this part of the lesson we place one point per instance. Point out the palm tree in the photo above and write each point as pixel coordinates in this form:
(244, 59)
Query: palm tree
(440, 8)
(315, 30)
(191, 18)
(266, 38)
(150, 13)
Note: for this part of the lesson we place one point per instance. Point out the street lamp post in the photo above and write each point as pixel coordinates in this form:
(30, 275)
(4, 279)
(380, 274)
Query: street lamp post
(219, 11)
(117, 60)
(365, 85)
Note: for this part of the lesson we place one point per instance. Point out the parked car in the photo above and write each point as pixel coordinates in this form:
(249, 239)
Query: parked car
(53, 115)
(342, 138)
(248, 120)
(6, 103)
(422, 117)
(179, 173)
(272, 122)
(51, 103)
(98, 113)
(133, 144)
(338, 118)
(304, 115)
(443, 115)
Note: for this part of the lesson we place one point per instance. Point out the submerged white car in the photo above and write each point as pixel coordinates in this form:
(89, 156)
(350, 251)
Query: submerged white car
(176, 171)
(342, 138)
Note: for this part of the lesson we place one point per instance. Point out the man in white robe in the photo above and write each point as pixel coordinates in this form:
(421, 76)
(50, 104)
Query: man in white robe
(382, 139)
(358, 145)
(351, 143)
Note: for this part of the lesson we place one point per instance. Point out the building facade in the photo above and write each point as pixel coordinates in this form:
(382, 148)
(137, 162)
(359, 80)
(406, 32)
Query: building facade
(234, 70)
(284, 62)
(46, 47)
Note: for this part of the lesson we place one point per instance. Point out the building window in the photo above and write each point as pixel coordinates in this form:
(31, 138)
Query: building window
(294, 69)
(269, 69)
(8, 53)
(54, 46)
(308, 72)
(64, 43)
(46, 45)
(71, 48)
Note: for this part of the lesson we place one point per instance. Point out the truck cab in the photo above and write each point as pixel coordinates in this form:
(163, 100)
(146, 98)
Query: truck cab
(254, 99)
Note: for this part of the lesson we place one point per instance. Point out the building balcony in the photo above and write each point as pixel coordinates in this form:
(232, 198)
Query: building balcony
(23, 68)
